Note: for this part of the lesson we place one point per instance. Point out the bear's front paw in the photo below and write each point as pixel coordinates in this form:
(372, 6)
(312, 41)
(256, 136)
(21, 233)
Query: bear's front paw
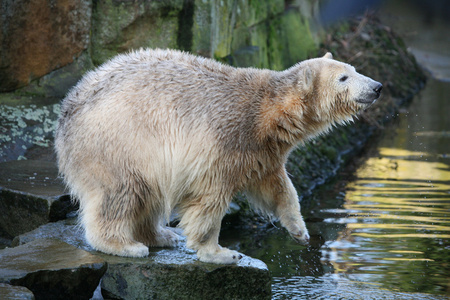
(134, 250)
(219, 255)
(301, 236)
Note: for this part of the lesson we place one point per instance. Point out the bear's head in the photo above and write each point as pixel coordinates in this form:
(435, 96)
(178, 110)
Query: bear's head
(335, 90)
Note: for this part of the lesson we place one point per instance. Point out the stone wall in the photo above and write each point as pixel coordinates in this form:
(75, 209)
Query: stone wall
(46, 45)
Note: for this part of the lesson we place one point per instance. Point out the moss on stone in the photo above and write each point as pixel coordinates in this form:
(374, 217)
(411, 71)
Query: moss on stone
(300, 43)
(289, 40)
(201, 28)
(249, 47)
(256, 33)
(250, 13)
(119, 26)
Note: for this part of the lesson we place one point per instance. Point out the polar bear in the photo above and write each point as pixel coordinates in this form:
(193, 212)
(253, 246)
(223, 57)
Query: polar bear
(156, 131)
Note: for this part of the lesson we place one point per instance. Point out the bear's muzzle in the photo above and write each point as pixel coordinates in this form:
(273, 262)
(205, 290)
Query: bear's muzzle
(372, 95)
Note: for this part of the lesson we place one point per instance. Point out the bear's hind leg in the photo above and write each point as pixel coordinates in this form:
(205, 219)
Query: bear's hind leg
(201, 223)
(166, 238)
(153, 234)
(107, 230)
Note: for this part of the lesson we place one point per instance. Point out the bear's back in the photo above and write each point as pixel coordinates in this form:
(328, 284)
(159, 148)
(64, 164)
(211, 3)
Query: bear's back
(158, 76)
(165, 92)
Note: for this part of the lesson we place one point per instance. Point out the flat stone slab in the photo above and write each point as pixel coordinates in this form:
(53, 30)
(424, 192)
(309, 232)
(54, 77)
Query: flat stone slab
(31, 194)
(35, 177)
(166, 273)
(12, 292)
(177, 274)
(52, 269)
(65, 231)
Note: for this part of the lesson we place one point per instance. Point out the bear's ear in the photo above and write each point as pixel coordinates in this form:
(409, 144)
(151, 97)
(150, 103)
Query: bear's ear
(308, 79)
(328, 55)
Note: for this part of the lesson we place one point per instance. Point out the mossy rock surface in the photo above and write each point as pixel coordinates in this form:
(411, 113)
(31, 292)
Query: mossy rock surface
(119, 26)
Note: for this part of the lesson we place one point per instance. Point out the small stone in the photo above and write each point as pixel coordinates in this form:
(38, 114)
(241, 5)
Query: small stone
(365, 36)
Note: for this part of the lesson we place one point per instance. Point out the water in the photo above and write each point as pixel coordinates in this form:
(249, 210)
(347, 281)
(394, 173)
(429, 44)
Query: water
(382, 231)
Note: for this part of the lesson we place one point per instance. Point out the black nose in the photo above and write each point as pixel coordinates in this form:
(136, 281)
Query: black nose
(378, 89)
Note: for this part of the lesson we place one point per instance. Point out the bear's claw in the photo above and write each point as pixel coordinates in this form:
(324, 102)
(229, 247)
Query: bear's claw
(302, 238)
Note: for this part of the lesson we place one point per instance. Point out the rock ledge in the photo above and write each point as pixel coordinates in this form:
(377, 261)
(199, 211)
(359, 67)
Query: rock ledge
(166, 273)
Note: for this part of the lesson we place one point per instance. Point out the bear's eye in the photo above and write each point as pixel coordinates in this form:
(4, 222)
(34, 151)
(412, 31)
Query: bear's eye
(343, 78)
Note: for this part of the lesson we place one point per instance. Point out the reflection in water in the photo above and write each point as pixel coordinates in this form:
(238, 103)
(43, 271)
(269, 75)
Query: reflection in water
(331, 287)
(397, 224)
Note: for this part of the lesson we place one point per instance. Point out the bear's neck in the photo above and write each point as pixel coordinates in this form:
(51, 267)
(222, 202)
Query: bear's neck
(286, 117)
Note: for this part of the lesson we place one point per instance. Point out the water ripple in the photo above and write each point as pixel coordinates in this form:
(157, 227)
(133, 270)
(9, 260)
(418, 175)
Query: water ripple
(397, 224)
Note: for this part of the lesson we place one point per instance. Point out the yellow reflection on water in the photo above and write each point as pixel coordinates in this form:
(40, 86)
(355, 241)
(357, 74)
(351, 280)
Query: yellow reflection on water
(400, 192)
(400, 226)
(403, 235)
(403, 251)
(397, 216)
(398, 164)
(408, 259)
(384, 217)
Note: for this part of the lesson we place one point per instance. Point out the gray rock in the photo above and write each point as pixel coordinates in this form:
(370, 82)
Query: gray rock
(52, 269)
(66, 231)
(177, 274)
(55, 84)
(30, 195)
(12, 292)
(166, 273)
